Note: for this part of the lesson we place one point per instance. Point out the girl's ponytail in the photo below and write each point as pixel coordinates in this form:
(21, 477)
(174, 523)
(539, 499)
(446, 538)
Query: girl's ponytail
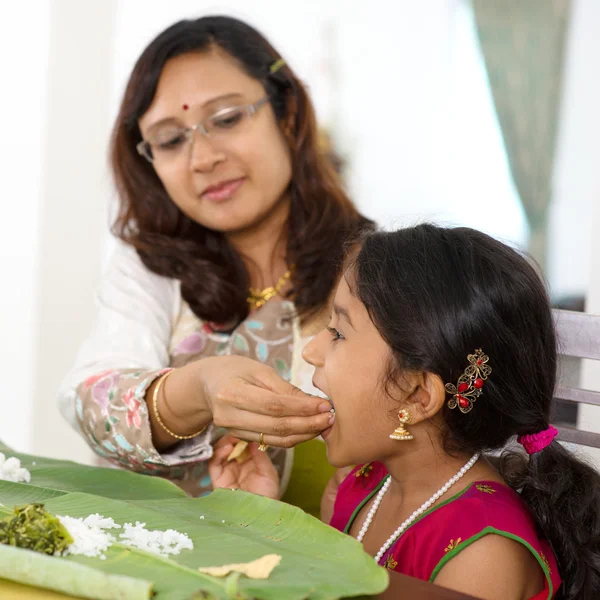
(563, 494)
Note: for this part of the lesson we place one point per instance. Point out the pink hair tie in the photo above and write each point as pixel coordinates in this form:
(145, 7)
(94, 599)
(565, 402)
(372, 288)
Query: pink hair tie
(536, 442)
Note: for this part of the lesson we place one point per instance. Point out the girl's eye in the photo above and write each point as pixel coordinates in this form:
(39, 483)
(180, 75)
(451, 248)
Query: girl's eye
(335, 334)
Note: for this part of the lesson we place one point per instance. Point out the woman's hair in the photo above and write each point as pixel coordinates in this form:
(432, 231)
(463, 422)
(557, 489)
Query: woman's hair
(435, 295)
(214, 280)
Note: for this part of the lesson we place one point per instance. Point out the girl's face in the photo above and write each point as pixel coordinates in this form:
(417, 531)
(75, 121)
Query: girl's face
(350, 359)
(235, 178)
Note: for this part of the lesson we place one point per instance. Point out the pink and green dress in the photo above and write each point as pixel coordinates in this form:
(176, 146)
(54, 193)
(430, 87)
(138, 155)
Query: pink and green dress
(482, 508)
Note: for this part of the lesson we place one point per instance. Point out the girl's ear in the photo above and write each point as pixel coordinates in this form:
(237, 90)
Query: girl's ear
(427, 398)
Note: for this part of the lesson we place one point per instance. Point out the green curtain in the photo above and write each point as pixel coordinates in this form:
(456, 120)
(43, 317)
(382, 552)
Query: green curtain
(523, 43)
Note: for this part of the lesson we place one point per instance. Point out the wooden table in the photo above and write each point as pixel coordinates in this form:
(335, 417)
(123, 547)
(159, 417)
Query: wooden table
(403, 587)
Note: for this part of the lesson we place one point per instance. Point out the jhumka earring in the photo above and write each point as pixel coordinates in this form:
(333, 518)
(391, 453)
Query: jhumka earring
(400, 433)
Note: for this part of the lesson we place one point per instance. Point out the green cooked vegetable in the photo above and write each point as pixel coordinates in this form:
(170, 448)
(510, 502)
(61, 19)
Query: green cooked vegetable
(34, 528)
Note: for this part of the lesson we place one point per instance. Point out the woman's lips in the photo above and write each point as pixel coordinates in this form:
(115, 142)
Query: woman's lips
(223, 191)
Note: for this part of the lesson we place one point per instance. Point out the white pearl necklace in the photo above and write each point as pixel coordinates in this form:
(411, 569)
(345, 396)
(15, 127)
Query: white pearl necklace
(417, 513)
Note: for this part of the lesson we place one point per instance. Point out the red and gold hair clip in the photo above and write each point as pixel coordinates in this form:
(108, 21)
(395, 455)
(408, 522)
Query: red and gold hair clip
(470, 384)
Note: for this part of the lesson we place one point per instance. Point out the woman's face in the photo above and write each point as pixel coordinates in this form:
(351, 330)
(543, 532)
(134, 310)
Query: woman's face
(350, 359)
(234, 180)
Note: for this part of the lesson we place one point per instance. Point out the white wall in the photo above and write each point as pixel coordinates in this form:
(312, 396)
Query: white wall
(577, 179)
(589, 416)
(23, 109)
(576, 173)
(581, 174)
(72, 226)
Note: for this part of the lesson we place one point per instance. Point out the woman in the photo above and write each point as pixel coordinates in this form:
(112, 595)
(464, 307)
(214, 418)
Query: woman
(232, 224)
(441, 346)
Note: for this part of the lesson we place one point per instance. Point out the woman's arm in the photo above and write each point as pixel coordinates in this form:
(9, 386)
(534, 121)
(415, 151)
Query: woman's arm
(104, 395)
(109, 393)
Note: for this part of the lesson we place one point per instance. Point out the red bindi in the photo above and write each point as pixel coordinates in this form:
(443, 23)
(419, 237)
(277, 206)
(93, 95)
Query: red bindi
(185, 107)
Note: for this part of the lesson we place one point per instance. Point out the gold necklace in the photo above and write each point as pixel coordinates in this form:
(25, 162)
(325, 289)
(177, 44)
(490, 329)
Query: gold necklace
(257, 298)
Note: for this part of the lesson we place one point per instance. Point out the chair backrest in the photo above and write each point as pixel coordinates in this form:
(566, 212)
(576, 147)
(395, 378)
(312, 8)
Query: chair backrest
(578, 337)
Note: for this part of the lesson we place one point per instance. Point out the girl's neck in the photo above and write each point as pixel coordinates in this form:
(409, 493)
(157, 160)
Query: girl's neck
(419, 472)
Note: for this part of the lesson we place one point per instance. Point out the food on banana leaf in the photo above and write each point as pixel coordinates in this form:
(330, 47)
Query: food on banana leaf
(163, 543)
(92, 538)
(11, 470)
(91, 535)
(34, 528)
(260, 568)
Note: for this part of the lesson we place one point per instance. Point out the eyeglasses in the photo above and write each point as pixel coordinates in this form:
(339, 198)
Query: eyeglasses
(170, 141)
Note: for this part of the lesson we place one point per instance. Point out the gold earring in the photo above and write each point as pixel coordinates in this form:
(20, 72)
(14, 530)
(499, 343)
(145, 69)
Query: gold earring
(400, 433)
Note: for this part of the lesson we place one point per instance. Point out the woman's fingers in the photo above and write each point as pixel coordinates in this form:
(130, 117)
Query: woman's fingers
(280, 427)
(260, 401)
(272, 440)
(249, 397)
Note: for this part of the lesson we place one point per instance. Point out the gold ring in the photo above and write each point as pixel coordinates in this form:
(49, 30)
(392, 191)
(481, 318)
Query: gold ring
(261, 443)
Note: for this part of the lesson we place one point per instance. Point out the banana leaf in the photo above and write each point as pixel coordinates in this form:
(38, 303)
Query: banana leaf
(318, 562)
(19, 591)
(111, 483)
(17, 564)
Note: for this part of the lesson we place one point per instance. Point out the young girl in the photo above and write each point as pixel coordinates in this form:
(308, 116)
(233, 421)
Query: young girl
(441, 347)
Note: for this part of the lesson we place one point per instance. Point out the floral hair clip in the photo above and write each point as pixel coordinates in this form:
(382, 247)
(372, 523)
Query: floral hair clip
(470, 383)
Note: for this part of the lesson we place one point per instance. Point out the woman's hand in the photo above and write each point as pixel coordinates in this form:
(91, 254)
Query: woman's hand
(255, 474)
(242, 395)
(249, 398)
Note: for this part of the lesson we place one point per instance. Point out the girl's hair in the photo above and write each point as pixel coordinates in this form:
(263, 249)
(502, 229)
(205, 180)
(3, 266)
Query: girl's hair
(437, 294)
(214, 280)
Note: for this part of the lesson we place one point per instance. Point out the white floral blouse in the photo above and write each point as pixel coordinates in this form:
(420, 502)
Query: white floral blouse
(144, 327)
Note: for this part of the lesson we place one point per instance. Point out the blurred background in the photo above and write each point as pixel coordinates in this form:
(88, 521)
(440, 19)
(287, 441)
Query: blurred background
(482, 113)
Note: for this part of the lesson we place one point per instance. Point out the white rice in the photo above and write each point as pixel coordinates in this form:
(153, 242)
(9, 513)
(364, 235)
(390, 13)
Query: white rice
(11, 470)
(159, 542)
(90, 535)
(92, 538)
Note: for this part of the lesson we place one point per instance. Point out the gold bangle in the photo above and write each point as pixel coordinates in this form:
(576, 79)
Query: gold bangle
(159, 384)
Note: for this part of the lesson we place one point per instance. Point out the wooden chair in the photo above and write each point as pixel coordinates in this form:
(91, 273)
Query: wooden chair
(578, 337)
